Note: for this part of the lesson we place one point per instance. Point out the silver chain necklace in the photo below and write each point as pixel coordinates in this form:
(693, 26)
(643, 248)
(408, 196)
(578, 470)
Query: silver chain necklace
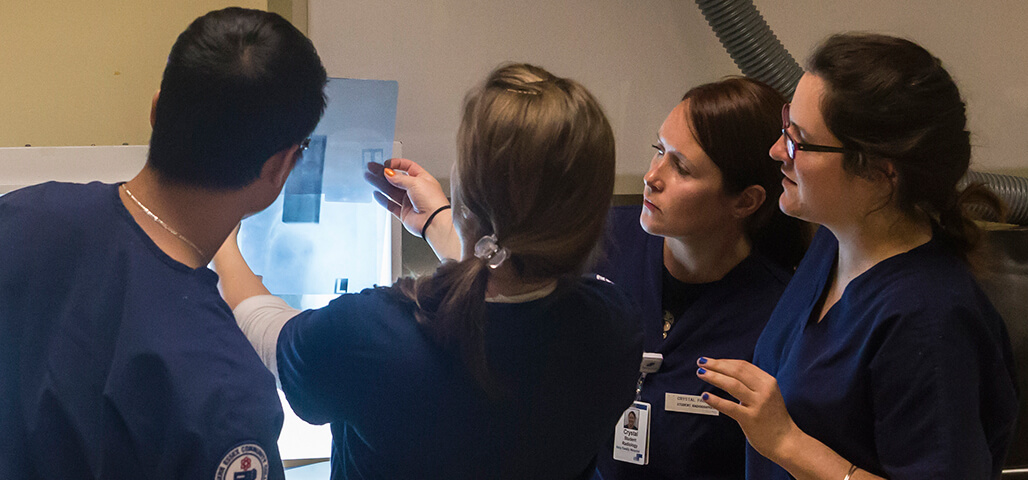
(161, 222)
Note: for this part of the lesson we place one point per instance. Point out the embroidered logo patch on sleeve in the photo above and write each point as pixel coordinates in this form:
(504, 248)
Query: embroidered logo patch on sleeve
(244, 462)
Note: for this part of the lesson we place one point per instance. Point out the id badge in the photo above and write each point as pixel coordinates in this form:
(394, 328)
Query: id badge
(632, 435)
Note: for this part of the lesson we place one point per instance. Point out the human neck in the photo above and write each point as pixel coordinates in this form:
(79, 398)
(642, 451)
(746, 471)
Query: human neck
(878, 236)
(706, 259)
(201, 216)
(505, 282)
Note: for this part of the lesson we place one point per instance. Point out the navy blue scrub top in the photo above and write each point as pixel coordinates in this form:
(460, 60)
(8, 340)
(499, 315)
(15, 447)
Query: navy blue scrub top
(401, 407)
(724, 322)
(117, 361)
(909, 375)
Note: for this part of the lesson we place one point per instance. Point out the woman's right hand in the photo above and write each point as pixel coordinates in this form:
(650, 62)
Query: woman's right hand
(408, 191)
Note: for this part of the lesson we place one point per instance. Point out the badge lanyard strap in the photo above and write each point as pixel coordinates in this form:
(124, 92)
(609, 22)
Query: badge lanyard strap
(639, 386)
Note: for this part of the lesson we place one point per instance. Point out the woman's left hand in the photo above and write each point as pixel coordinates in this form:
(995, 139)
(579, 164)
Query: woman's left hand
(761, 410)
(411, 196)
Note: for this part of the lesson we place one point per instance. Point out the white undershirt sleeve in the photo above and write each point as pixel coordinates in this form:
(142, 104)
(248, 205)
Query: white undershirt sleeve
(261, 319)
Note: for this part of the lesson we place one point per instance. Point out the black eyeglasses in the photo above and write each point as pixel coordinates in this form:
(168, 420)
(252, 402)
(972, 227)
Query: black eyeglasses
(792, 145)
(305, 144)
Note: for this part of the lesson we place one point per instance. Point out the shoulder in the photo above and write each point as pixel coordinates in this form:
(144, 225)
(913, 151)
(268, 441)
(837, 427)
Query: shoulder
(597, 292)
(602, 327)
(925, 295)
(623, 224)
(351, 319)
(605, 307)
(628, 253)
(326, 356)
(927, 278)
(58, 197)
(73, 207)
(624, 214)
(589, 298)
(764, 274)
(748, 294)
(370, 305)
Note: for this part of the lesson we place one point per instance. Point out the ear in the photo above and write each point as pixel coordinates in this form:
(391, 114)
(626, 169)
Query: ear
(883, 179)
(277, 168)
(889, 171)
(153, 107)
(748, 201)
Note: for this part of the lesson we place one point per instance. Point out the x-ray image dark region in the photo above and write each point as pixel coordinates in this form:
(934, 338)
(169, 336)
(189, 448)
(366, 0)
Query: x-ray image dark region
(301, 202)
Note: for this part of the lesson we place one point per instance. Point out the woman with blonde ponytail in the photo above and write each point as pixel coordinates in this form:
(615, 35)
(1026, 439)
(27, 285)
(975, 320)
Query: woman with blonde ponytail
(504, 363)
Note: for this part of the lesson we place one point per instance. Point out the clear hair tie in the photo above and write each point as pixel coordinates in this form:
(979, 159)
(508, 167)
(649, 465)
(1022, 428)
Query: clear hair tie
(487, 249)
(522, 91)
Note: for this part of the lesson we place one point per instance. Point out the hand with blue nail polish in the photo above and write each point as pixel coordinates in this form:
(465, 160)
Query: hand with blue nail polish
(761, 410)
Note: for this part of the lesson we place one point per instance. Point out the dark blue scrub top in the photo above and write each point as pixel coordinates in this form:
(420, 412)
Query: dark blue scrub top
(909, 375)
(403, 408)
(724, 322)
(117, 361)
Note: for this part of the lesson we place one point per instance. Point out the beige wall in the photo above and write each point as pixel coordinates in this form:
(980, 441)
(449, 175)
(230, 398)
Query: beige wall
(293, 10)
(79, 73)
(83, 72)
(639, 57)
(983, 44)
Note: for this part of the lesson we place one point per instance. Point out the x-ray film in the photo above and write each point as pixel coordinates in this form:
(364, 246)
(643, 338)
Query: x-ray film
(324, 235)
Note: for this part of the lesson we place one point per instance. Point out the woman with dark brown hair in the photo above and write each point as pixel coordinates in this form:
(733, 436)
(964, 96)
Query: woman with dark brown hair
(705, 258)
(883, 358)
(505, 363)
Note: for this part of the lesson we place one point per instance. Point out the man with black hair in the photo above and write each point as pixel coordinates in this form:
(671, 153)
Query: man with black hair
(118, 357)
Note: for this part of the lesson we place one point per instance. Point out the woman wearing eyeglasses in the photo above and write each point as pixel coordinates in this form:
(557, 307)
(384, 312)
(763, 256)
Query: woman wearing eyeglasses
(883, 357)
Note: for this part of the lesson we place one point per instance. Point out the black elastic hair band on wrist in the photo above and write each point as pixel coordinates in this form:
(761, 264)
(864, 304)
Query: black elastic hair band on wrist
(430, 218)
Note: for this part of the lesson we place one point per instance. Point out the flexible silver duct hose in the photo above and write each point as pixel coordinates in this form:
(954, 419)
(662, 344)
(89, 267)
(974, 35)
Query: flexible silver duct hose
(751, 44)
(1013, 190)
(758, 53)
